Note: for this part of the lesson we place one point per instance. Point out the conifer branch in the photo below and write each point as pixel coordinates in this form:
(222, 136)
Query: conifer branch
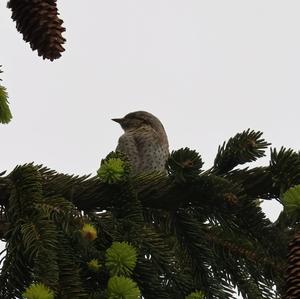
(194, 232)
(5, 114)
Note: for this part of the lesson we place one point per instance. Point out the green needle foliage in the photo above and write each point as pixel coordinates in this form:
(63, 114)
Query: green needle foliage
(184, 164)
(191, 233)
(38, 291)
(195, 295)
(114, 168)
(5, 114)
(242, 148)
(120, 258)
(120, 287)
(291, 202)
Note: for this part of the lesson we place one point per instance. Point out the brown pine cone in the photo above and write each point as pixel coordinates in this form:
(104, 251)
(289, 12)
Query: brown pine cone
(40, 25)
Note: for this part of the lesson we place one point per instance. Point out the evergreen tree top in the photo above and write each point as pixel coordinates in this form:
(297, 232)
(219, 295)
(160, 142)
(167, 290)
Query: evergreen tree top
(190, 231)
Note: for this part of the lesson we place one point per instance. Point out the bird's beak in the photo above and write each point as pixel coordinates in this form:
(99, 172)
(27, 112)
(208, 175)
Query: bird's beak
(117, 120)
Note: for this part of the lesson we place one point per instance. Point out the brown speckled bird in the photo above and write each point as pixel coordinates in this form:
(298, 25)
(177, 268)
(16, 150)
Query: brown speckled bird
(145, 142)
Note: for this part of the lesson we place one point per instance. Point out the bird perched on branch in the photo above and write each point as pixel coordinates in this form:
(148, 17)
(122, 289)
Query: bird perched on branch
(144, 141)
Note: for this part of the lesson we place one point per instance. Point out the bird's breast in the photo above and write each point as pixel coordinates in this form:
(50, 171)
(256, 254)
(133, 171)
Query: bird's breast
(153, 151)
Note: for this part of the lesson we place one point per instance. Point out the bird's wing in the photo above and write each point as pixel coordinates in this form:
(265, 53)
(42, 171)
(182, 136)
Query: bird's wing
(127, 144)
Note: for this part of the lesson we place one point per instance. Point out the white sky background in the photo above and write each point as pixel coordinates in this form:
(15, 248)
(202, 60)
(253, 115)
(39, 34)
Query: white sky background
(207, 69)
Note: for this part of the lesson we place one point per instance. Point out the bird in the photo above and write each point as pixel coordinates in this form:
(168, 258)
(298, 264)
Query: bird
(144, 142)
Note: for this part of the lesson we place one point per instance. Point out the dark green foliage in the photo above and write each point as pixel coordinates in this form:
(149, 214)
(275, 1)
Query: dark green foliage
(184, 164)
(192, 230)
(285, 169)
(242, 148)
(36, 241)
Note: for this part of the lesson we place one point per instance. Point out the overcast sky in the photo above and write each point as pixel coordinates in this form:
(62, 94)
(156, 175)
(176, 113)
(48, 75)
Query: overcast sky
(207, 69)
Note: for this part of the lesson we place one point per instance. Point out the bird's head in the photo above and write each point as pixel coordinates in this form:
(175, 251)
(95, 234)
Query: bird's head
(135, 120)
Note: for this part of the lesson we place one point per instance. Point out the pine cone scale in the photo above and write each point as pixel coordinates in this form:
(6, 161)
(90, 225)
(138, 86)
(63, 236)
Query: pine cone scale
(293, 269)
(40, 25)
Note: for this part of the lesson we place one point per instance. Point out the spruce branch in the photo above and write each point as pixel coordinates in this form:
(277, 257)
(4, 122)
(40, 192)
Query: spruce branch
(5, 114)
(291, 203)
(198, 256)
(184, 165)
(242, 148)
(248, 253)
(204, 232)
(285, 168)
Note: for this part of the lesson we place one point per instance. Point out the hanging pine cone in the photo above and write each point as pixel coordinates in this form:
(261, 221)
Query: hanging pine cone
(38, 21)
(293, 269)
